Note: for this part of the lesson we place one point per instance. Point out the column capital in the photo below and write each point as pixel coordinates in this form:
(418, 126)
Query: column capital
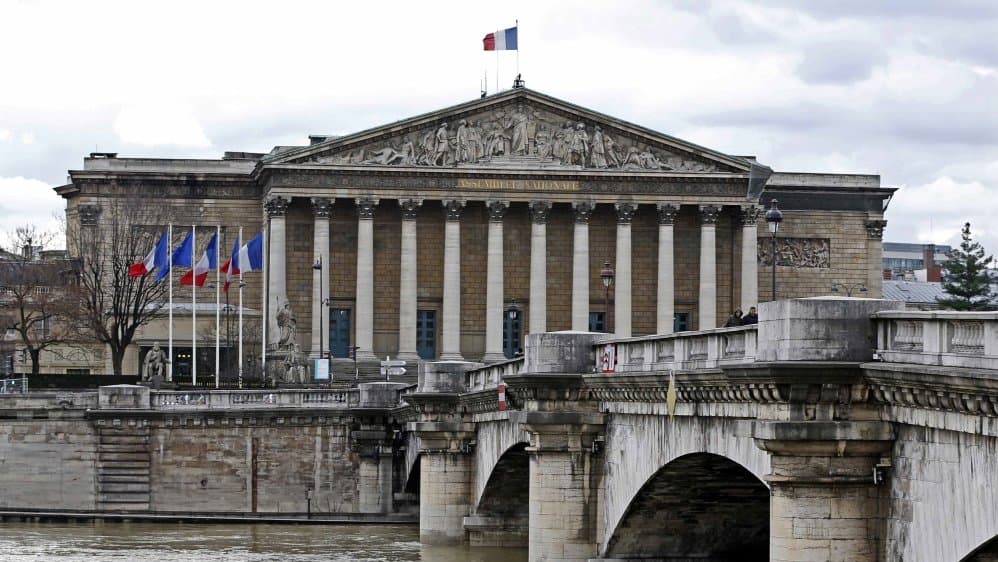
(625, 211)
(875, 228)
(365, 207)
(410, 208)
(539, 211)
(667, 213)
(749, 214)
(583, 211)
(322, 207)
(497, 210)
(709, 214)
(277, 206)
(88, 214)
(453, 208)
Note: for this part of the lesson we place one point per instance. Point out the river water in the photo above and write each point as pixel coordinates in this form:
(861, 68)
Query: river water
(174, 542)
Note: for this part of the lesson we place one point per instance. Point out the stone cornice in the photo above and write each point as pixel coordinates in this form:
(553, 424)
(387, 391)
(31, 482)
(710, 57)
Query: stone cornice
(972, 392)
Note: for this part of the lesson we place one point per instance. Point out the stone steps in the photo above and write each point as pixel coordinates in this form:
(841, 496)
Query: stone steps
(123, 460)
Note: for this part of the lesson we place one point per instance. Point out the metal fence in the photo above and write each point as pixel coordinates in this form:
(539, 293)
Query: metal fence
(14, 386)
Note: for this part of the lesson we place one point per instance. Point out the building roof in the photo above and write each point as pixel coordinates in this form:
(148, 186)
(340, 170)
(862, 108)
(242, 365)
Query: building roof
(913, 291)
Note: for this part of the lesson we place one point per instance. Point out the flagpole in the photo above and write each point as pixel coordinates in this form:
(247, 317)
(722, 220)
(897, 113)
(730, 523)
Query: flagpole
(218, 301)
(169, 282)
(239, 247)
(266, 289)
(517, 48)
(194, 308)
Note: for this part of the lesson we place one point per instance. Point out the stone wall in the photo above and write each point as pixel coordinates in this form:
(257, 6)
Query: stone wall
(47, 464)
(943, 502)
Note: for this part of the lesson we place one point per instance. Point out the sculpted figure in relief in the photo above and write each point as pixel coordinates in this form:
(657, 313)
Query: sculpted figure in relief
(597, 149)
(384, 157)
(518, 121)
(543, 141)
(578, 146)
(562, 139)
(463, 151)
(441, 146)
(610, 151)
(288, 325)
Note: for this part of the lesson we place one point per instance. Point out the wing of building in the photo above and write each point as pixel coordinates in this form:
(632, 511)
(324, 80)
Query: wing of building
(453, 234)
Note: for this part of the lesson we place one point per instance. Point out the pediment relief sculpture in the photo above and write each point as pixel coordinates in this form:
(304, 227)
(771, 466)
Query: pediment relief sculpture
(519, 136)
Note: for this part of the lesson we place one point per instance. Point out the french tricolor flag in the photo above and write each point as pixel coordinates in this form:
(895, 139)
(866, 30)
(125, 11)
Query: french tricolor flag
(244, 259)
(208, 262)
(502, 40)
(157, 257)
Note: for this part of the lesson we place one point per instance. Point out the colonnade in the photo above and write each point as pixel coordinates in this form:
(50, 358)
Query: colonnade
(276, 207)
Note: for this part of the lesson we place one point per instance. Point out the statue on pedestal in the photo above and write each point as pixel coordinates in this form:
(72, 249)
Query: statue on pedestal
(155, 363)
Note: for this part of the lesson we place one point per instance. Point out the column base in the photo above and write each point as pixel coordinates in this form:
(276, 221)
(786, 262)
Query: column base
(407, 356)
(451, 357)
(494, 358)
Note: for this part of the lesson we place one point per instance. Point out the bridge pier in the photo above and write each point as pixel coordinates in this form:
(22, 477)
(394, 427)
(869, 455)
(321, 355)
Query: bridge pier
(566, 476)
(825, 504)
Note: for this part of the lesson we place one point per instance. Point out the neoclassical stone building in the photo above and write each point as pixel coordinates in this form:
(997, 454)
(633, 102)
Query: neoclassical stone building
(431, 228)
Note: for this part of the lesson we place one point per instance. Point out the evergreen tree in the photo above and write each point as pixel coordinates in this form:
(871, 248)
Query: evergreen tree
(965, 276)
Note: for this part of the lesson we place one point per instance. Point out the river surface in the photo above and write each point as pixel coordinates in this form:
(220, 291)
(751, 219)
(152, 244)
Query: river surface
(173, 542)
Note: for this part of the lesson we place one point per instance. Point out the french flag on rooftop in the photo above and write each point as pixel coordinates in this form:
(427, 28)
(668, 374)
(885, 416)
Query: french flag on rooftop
(502, 40)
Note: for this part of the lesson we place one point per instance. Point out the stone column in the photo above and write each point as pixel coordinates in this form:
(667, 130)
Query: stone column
(277, 294)
(451, 349)
(825, 505)
(374, 470)
(622, 293)
(408, 283)
(494, 283)
(321, 208)
(875, 234)
(537, 321)
(708, 266)
(749, 216)
(580, 267)
(364, 313)
(666, 303)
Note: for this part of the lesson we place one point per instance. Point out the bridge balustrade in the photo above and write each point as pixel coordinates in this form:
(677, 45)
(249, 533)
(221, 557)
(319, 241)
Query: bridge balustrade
(491, 375)
(942, 338)
(252, 399)
(707, 349)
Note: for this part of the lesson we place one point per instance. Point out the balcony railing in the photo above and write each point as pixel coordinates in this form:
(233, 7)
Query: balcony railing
(253, 399)
(706, 349)
(951, 339)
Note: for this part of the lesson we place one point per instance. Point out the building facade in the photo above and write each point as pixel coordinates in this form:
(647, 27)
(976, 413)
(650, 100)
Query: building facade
(432, 232)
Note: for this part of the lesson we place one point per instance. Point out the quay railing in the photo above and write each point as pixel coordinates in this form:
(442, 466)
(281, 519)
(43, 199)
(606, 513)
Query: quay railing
(943, 338)
(706, 349)
(254, 399)
(15, 385)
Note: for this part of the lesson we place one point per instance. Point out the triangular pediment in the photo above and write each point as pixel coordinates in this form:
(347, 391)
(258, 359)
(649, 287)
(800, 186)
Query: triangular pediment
(516, 129)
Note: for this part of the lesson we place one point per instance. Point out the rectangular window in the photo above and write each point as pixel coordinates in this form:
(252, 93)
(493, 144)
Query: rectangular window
(681, 322)
(597, 321)
(426, 334)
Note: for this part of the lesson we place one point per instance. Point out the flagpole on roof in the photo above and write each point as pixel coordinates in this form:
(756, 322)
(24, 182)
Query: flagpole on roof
(169, 282)
(218, 301)
(517, 27)
(194, 309)
(239, 249)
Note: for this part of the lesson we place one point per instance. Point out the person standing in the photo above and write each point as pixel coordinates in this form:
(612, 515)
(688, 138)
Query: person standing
(751, 317)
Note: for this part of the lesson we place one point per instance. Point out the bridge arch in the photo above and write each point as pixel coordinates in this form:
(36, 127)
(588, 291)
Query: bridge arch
(493, 440)
(639, 446)
(698, 506)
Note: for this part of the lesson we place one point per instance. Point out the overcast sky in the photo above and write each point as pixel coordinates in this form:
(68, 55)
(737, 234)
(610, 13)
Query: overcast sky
(904, 88)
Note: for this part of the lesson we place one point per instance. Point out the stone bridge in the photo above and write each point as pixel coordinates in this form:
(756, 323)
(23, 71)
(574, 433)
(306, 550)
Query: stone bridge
(837, 429)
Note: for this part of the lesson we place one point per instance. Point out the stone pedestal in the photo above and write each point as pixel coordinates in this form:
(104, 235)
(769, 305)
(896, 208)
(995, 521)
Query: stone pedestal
(825, 504)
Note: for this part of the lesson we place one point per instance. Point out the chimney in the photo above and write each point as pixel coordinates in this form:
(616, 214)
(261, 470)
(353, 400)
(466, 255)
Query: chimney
(928, 255)
(888, 274)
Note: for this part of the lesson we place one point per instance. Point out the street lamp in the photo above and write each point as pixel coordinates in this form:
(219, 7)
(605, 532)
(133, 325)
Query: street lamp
(773, 218)
(606, 276)
(836, 287)
(322, 302)
(513, 312)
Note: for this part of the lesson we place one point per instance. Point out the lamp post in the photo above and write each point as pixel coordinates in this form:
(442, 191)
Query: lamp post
(836, 287)
(322, 302)
(606, 276)
(773, 218)
(513, 312)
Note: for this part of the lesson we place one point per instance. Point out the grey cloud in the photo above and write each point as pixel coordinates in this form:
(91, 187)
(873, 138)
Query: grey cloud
(918, 9)
(841, 62)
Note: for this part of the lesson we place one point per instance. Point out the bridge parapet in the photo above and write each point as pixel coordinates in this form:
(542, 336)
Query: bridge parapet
(252, 399)
(941, 338)
(490, 376)
(707, 349)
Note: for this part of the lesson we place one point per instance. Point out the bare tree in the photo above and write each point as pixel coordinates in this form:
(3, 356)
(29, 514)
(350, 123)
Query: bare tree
(115, 304)
(40, 297)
